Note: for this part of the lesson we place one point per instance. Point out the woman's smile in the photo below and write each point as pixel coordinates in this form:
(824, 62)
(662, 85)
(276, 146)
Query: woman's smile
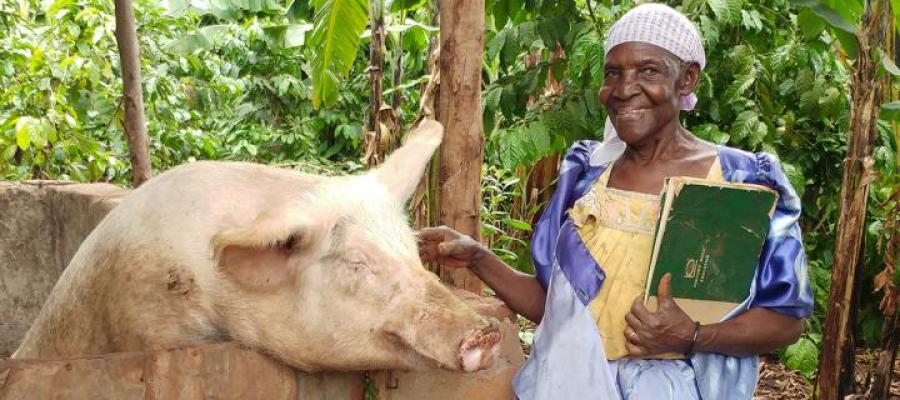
(630, 114)
(642, 90)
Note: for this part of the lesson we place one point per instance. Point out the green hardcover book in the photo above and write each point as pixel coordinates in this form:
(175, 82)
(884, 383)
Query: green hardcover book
(709, 237)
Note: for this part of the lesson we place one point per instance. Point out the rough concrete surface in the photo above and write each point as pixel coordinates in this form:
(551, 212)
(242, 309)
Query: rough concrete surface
(217, 371)
(42, 223)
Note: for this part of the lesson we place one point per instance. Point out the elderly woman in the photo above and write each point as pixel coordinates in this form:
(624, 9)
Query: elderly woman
(595, 338)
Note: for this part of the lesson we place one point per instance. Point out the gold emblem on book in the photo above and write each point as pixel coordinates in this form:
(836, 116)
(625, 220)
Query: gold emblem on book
(696, 268)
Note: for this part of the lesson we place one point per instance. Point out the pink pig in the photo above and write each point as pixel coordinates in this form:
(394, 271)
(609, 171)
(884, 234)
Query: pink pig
(320, 272)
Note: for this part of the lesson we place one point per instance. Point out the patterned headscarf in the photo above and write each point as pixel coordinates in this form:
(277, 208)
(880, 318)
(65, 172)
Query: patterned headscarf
(660, 25)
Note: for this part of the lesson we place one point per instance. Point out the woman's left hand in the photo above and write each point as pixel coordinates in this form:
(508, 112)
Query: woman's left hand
(669, 329)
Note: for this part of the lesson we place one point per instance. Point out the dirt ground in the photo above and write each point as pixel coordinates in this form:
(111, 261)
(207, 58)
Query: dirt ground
(776, 382)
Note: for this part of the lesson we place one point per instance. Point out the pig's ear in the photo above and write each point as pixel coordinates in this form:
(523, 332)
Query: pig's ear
(257, 256)
(403, 170)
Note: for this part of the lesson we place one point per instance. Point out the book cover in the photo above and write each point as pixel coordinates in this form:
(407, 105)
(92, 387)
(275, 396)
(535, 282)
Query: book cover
(709, 237)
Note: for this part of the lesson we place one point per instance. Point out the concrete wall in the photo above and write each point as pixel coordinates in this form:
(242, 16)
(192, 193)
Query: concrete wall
(228, 371)
(219, 371)
(42, 224)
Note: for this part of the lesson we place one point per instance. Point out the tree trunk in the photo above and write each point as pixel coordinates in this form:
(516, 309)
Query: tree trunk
(374, 151)
(130, 58)
(459, 109)
(881, 387)
(866, 99)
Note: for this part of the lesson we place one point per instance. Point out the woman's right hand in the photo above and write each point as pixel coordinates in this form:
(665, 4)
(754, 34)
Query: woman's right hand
(523, 293)
(449, 248)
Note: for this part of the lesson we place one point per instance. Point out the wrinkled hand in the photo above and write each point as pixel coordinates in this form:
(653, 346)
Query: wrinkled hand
(669, 329)
(448, 247)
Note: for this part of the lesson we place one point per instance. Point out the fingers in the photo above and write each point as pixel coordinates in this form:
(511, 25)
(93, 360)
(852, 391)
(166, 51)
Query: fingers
(636, 351)
(450, 249)
(434, 234)
(447, 247)
(429, 239)
(640, 311)
(634, 343)
(632, 336)
(639, 336)
(428, 251)
(633, 322)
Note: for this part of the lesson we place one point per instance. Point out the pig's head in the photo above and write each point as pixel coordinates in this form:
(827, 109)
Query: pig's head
(333, 280)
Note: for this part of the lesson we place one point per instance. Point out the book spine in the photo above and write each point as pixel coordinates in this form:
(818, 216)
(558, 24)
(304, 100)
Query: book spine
(665, 205)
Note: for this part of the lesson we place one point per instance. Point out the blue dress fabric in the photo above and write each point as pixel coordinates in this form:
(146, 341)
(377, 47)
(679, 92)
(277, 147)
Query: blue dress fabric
(567, 359)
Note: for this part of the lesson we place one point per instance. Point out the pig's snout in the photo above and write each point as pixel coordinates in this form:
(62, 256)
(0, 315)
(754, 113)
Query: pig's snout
(480, 348)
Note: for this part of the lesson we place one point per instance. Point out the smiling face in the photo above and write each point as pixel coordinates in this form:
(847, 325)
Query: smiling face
(642, 90)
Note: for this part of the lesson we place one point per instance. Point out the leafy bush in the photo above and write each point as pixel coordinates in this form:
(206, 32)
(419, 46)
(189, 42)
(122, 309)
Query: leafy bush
(214, 88)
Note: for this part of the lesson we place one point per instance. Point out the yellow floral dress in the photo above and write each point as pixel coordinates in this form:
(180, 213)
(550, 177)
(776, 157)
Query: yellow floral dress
(617, 226)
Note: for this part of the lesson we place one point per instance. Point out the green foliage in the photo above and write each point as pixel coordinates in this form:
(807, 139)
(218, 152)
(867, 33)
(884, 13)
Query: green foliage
(521, 123)
(406, 5)
(802, 356)
(836, 16)
(228, 9)
(213, 89)
(890, 111)
(58, 96)
(338, 25)
(370, 387)
(501, 231)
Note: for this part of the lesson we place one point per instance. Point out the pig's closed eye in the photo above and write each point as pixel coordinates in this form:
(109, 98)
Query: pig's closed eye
(359, 267)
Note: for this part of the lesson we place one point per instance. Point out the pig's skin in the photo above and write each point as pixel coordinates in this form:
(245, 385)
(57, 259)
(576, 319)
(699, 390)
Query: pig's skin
(322, 273)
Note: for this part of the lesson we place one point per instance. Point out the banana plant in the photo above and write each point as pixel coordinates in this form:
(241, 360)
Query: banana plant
(336, 34)
(338, 27)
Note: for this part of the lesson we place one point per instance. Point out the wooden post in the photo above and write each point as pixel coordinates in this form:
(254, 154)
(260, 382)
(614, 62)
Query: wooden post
(130, 60)
(459, 109)
(866, 99)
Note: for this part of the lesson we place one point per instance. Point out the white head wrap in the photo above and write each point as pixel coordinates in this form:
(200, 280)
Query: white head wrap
(660, 25)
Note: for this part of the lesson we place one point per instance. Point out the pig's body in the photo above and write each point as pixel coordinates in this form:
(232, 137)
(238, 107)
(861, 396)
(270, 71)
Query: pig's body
(320, 272)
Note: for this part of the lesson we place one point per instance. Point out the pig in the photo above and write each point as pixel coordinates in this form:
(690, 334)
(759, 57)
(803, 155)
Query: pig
(322, 273)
